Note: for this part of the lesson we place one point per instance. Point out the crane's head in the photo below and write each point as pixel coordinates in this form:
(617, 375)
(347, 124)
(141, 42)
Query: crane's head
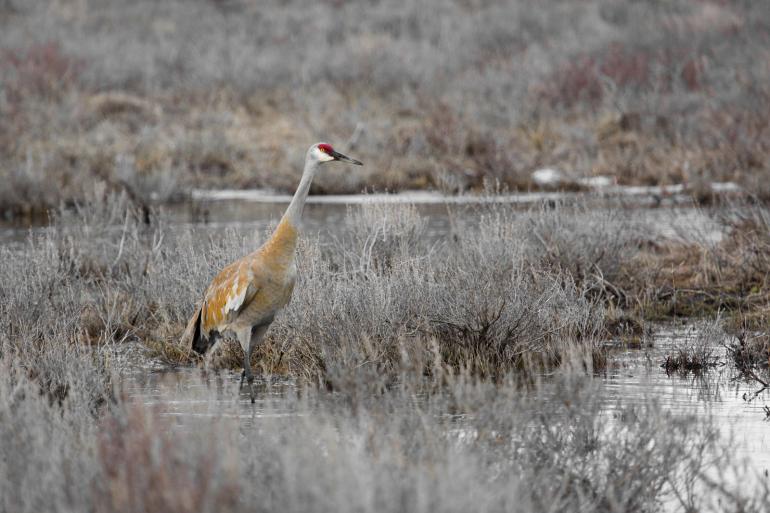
(323, 152)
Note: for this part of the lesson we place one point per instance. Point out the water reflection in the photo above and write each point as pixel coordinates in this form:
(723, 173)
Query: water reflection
(183, 396)
(189, 394)
(717, 395)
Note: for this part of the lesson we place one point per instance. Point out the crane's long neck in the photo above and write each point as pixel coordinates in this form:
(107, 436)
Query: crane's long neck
(283, 242)
(293, 214)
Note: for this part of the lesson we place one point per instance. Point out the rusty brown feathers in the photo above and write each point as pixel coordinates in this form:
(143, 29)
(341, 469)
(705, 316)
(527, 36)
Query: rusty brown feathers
(247, 292)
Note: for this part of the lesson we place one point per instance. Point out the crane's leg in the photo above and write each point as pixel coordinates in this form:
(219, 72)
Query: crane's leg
(244, 336)
(255, 336)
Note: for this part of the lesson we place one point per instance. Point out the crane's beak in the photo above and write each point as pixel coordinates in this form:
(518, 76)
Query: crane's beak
(342, 158)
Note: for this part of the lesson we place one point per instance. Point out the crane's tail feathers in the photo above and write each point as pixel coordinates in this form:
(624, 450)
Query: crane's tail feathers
(192, 338)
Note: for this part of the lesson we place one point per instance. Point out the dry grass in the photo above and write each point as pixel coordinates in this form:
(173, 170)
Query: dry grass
(394, 297)
(471, 446)
(507, 290)
(424, 342)
(696, 355)
(159, 99)
(701, 277)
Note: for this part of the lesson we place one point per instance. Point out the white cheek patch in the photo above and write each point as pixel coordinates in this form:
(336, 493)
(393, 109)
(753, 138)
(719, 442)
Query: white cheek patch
(322, 156)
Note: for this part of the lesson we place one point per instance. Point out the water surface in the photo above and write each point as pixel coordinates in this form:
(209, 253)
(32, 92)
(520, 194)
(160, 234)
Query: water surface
(718, 394)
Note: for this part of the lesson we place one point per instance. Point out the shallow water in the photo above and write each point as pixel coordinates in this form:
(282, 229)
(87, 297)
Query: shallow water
(183, 396)
(718, 393)
(635, 378)
(670, 216)
(180, 395)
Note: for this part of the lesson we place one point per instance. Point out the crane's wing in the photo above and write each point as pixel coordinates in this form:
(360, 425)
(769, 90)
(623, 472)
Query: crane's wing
(230, 291)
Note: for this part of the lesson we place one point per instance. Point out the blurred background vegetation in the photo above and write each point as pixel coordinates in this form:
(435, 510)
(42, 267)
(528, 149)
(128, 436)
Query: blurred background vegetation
(162, 97)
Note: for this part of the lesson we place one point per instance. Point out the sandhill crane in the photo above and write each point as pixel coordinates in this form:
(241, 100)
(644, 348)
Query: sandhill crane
(244, 298)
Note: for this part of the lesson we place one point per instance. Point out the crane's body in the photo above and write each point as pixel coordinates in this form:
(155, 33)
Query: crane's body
(250, 291)
(244, 298)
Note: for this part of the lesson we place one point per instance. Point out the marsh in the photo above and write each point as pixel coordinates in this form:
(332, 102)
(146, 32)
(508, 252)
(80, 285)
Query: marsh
(545, 291)
(468, 348)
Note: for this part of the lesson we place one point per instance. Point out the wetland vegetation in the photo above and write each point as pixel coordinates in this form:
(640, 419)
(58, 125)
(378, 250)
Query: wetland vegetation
(437, 95)
(459, 369)
(422, 364)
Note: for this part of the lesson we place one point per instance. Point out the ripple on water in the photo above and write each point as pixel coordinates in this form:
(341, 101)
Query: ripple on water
(718, 394)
